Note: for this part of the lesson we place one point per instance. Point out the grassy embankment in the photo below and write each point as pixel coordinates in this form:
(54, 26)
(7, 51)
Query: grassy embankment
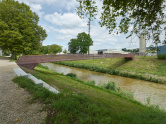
(82, 103)
(145, 68)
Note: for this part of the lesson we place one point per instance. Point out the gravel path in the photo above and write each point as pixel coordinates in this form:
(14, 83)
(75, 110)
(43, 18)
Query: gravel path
(14, 101)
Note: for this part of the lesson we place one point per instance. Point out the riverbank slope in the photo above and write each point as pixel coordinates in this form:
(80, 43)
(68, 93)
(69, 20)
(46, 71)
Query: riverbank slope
(145, 68)
(95, 105)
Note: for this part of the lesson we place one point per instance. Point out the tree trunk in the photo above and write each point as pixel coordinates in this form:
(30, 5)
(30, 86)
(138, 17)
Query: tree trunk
(14, 55)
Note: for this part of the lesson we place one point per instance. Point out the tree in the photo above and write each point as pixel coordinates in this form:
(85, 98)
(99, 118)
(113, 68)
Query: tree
(73, 46)
(65, 51)
(84, 41)
(87, 9)
(44, 49)
(19, 29)
(118, 16)
(80, 44)
(54, 49)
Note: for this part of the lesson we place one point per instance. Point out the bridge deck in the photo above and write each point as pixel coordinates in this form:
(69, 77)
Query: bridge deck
(30, 61)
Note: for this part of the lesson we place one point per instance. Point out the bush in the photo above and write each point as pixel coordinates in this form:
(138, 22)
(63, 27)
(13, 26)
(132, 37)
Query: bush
(91, 82)
(71, 75)
(161, 56)
(111, 86)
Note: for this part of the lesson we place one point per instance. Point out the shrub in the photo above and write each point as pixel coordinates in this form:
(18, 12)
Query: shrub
(161, 56)
(71, 75)
(91, 82)
(111, 86)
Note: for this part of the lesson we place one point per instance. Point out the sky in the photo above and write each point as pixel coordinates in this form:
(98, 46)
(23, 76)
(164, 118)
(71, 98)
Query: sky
(60, 20)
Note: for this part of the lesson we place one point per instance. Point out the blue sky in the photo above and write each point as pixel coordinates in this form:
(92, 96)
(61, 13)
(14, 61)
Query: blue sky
(59, 18)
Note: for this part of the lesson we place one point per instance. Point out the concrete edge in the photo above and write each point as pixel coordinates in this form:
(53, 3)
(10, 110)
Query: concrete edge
(20, 72)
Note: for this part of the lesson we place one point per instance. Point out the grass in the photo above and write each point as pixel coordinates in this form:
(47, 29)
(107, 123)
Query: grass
(82, 103)
(162, 70)
(145, 68)
(42, 66)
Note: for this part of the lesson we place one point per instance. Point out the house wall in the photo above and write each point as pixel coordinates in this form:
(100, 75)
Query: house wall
(162, 49)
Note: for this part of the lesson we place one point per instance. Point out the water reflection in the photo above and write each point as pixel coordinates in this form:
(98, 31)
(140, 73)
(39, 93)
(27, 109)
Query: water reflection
(142, 90)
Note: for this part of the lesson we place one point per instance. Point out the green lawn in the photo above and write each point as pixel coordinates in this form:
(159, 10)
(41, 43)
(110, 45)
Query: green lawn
(149, 65)
(95, 105)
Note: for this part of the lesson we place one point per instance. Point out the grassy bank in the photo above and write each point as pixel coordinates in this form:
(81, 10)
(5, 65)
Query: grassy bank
(83, 103)
(149, 69)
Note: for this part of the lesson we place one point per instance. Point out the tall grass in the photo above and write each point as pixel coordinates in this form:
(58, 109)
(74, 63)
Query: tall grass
(112, 86)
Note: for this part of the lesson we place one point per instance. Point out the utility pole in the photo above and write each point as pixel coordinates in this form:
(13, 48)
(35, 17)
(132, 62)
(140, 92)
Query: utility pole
(89, 31)
(89, 26)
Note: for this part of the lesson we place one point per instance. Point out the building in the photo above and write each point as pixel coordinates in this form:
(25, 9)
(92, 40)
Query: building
(0, 52)
(93, 52)
(108, 51)
(161, 50)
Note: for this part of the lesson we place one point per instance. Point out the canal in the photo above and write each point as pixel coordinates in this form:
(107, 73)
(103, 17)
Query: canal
(142, 90)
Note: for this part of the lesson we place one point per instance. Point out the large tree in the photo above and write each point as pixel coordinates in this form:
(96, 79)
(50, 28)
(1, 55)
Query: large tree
(81, 44)
(19, 29)
(54, 49)
(119, 16)
(73, 46)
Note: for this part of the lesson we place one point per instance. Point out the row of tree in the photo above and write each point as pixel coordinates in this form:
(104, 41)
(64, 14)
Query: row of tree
(80, 44)
(130, 50)
(49, 49)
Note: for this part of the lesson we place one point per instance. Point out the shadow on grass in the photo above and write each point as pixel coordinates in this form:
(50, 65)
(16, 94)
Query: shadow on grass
(118, 64)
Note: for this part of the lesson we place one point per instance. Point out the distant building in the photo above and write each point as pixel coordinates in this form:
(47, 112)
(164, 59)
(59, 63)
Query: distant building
(93, 52)
(107, 51)
(0, 52)
(161, 50)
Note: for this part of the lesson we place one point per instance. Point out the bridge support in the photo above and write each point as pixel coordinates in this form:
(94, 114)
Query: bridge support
(29, 66)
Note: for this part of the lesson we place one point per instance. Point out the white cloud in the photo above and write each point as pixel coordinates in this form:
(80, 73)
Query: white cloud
(66, 4)
(67, 20)
(63, 25)
(37, 8)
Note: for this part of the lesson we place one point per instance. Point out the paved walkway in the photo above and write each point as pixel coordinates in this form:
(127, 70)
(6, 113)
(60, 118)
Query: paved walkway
(14, 101)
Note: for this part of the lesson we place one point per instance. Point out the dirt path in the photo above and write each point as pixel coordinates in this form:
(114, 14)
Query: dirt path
(14, 101)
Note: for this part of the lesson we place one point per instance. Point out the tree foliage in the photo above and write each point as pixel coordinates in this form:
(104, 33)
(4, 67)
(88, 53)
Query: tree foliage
(130, 50)
(54, 49)
(19, 29)
(73, 46)
(44, 49)
(81, 44)
(87, 8)
(119, 16)
(65, 51)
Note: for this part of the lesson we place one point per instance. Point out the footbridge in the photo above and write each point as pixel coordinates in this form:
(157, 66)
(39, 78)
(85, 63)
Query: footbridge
(30, 61)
